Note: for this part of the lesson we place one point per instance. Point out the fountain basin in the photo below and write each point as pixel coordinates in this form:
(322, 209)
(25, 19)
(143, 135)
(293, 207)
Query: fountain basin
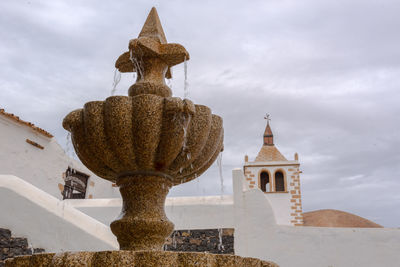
(147, 133)
(136, 258)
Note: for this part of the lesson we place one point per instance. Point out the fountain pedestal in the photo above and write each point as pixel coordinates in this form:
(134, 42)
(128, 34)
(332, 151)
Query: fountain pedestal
(143, 224)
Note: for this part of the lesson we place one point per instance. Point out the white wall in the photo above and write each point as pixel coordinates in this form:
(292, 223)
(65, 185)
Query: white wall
(208, 212)
(47, 223)
(257, 235)
(280, 203)
(43, 168)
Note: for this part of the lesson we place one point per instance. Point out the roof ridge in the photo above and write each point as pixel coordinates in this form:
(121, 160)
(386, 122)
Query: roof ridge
(27, 123)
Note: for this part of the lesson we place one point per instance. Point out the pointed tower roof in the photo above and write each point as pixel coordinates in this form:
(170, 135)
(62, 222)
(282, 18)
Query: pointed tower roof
(152, 27)
(268, 136)
(268, 151)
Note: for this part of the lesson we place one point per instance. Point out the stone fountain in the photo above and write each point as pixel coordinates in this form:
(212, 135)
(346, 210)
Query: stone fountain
(146, 143)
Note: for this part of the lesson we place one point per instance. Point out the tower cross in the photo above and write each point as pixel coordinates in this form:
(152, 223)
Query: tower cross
(267, 117)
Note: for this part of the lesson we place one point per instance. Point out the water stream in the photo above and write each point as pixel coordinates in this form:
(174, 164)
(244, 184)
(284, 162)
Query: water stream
(186, 83)
(136, 64)
(220, 245)
(185, 125)
(69, 151)
(185, 119)
(117, 79)
(221, 177)
(174, 240)
(169, 81)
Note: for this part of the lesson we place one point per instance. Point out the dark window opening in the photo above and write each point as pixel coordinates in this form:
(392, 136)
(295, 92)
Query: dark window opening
(264, 182)
(279, 182)
(75, 184)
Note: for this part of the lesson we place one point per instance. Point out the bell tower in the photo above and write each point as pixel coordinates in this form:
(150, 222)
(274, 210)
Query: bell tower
(278, 178)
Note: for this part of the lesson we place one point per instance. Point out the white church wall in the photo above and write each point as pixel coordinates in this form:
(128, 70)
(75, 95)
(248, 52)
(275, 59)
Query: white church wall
(46, 222)
(280, 204)
(45, 167)
(257, 235)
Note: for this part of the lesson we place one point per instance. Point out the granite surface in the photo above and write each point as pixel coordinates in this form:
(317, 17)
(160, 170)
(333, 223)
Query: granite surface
(136, 258)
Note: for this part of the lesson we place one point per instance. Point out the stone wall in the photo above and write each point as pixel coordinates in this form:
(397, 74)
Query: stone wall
(14, 246)
(217, 241)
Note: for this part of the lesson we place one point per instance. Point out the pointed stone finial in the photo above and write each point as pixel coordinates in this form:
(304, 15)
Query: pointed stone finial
(151, 57)
(152, 27)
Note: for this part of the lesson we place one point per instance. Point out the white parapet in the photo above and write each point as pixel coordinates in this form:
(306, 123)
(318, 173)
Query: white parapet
(209, 212)
(47, 222)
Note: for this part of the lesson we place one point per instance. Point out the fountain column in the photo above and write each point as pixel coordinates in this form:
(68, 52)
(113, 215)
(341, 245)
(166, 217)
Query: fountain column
(142, 224)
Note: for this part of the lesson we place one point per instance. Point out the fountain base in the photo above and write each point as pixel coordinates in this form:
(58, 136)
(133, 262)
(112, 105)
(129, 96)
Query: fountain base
(136, 258)
(142, 224)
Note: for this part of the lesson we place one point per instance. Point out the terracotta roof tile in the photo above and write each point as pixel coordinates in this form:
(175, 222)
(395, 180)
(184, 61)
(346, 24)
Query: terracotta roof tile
(270, 153)
(268, 136)
(29, 124)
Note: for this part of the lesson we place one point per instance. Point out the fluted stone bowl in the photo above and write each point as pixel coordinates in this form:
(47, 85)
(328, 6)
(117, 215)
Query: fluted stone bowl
(147, 133)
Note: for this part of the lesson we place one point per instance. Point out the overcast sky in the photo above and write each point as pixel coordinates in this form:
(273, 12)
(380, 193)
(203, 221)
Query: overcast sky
(328, 72)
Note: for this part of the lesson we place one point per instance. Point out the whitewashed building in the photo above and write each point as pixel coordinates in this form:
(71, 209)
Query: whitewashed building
(265, 210)
(33, 155)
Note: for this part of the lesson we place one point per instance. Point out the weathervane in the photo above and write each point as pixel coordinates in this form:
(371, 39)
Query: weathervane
(267, 117)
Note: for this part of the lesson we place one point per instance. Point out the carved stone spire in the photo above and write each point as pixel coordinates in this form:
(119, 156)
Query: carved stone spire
(152, 27)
